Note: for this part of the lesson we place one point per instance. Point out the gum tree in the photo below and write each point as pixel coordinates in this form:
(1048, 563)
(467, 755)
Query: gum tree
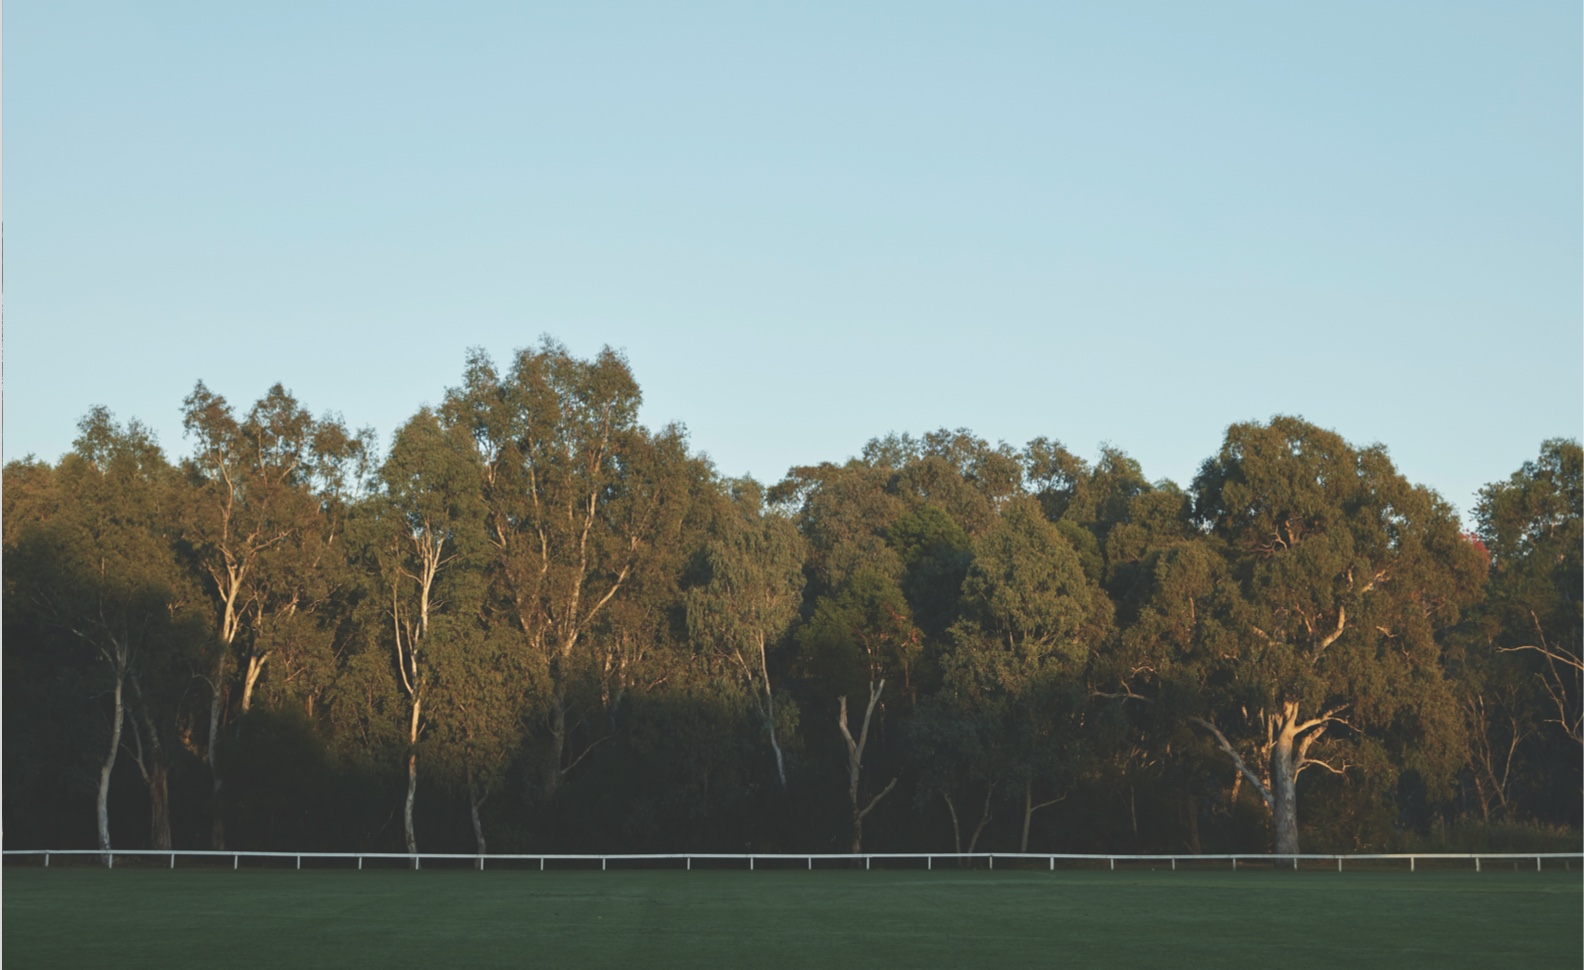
(93, 557)
(751, 593)
(1347, 577)
(263, 518)
(576, 494)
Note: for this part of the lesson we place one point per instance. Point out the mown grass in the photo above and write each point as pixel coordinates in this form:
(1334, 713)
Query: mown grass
(134, 918)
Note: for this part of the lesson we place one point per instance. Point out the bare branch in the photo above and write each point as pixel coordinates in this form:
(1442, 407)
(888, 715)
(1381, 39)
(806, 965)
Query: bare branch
(876, 800)
(1237, 759)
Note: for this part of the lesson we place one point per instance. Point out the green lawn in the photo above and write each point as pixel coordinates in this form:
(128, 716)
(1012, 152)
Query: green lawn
(132, 918)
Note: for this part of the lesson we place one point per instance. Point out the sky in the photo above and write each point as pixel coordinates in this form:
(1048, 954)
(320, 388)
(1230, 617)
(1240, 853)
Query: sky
(810, 224)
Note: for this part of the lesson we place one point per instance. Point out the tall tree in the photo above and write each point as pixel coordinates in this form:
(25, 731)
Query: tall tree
(1523, 674)
(575, 492)
(263, 516)
(749, 596)
(1348, 577)
(424, 531)
(1031, 618)
(94, 557)
(1533, 525)
(857, 639)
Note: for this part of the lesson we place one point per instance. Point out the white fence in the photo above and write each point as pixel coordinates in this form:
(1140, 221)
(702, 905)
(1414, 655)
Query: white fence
(782, 860)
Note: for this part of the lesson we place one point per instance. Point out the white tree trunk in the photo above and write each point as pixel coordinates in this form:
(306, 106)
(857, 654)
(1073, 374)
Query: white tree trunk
(254, 669)
(1284, 791)
(764, 670)
(107, 768)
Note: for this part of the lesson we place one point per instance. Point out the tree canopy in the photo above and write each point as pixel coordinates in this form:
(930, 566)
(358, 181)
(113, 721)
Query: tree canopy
(529, 622)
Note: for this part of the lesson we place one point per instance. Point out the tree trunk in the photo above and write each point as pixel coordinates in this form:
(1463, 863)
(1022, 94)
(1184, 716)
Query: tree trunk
(473, 810)
(407, 813)
(105, 770)
(217, 825)
(254, 669)
(769, 711)
(1284, 792)
(159, 806)
(1028, 814)
(558, 736)
(855, 750)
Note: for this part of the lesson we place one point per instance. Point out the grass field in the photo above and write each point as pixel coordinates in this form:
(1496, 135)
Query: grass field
(281, 919)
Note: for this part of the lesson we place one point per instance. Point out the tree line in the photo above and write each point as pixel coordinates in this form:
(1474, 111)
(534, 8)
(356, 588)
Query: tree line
(534, 624)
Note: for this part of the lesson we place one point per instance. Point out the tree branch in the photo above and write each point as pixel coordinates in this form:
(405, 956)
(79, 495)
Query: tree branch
(1237, 759)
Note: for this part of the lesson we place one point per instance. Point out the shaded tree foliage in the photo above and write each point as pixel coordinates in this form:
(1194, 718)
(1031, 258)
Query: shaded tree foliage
(532, 623)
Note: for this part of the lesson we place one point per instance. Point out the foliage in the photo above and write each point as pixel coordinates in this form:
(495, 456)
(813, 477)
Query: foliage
(534, 623)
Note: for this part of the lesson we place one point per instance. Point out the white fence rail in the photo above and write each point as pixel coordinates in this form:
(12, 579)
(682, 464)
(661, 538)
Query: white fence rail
(686, 859)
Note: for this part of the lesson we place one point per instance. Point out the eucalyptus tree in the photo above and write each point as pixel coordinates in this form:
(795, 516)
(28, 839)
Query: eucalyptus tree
(264, 517)
(424, 535)
(1347, 577)
(575, 493)
(93, 556)
(477, 692)
(1014, 669)
(1533, 526)
(1523, 670)
(858, 638)
(749, 594)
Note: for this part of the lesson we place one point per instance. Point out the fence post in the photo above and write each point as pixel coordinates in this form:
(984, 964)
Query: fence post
(690, 863)
(1410, 863)
(1295, 863)
(173, 860)
(992, 860)
(46, 860)
(811, 863)
(1537, 863)
(1053, 863)
(1476, 864)
(360, 863)
(299, 862)
(1113, 863)
(1339, 863)
(929, 862)
(1234, 863)
(234, 859)
(750, 864)
(602, 864)
(1174, 863)
(866, 863)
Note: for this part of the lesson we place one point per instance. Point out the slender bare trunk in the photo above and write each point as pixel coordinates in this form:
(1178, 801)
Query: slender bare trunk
(107, 768)
(407, 811)
(412, 779)
(1028, 814)
(151, 765)
(159, 806)
(217, 825)
(764, 670)
(254, 669)
(558, 738)
(474, 801)
(855, 750)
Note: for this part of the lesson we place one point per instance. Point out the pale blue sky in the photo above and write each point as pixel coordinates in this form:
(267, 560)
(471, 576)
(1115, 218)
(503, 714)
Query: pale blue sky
(811, 224)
